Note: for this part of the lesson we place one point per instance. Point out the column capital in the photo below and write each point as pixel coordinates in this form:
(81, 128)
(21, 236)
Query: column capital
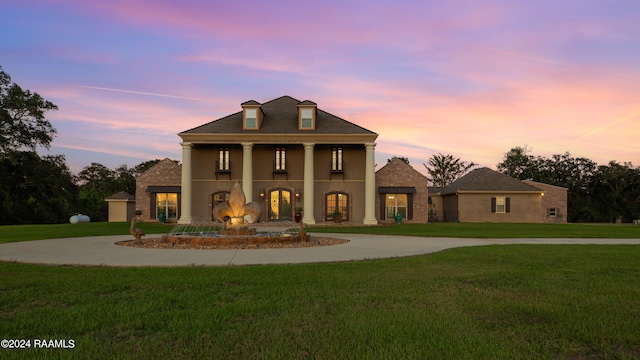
(186, 145)
(308, 145)
(370, 145)
(247, 145)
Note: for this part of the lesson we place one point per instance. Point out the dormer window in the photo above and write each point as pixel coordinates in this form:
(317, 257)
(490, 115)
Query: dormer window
(250, 119)
(306, 119)
(251, 115)
(307, 115)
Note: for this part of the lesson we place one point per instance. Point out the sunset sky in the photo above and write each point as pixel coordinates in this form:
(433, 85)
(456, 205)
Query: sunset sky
(469, 78)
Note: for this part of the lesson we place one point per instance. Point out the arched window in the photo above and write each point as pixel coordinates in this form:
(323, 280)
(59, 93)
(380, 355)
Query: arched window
(337, 204)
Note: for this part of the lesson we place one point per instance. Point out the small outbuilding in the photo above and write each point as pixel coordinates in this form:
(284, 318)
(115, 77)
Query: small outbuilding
(122, 206)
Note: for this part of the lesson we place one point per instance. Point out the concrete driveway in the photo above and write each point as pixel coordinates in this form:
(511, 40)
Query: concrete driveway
(101, 250)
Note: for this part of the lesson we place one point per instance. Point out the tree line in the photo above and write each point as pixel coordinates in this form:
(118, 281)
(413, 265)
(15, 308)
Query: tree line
(42, 189)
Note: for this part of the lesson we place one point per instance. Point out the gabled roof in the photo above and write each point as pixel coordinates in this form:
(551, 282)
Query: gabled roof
(280, 117)
(485, 179)
(162, 167)
(121, 196)
(397, 165)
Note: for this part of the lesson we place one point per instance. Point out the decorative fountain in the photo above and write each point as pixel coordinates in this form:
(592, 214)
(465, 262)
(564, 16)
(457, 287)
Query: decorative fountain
(234, 226)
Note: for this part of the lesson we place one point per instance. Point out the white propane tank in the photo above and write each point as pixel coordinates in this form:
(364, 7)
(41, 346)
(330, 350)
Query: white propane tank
(76, 219)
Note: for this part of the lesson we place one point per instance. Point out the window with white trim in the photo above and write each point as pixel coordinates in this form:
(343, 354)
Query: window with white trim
(280, 161)
(223, 159)
(306, 119)
(336, 159)
(250, 118)
(396, 204)
(500, 204)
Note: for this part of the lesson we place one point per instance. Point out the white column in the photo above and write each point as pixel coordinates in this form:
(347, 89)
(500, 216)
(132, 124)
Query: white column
(370, 185)
(309, 180)
(185, 208)
(247, 171)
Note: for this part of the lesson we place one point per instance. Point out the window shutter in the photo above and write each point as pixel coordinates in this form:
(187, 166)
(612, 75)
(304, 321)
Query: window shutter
(152, 206)
(409, 206)
(383, 209)
(507, 204)
(179, 205)
(493, 204)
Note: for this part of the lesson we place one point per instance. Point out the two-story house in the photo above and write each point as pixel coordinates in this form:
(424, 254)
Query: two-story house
(286, 154)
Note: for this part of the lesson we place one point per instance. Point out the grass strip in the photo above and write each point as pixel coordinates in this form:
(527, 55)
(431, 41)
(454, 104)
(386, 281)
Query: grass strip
(498, 302)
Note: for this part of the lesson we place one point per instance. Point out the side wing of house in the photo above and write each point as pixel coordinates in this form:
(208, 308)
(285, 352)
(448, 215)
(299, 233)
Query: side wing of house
(158, 191)
(554, 202)
(484, 195)
(401, 190)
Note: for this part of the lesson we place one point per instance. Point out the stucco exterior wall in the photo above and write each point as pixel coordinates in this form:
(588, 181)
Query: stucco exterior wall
(476, 207)
(121, 210)
(204, 182)
(435, 208)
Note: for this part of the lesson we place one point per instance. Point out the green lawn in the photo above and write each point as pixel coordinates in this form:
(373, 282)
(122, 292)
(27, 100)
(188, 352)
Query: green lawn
(491, 302)
(495, 230)
(10, 233)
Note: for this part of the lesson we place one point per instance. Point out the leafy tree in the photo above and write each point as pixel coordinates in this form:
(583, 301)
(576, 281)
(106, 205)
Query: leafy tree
(445, 169)
(615, 189)
(22, 117)
(35, 189)
(97, 182)
(406, 160)
(603, 193)
(518, 164)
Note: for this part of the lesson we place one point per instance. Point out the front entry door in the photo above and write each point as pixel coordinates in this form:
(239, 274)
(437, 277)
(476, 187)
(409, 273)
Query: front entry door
(280, 205)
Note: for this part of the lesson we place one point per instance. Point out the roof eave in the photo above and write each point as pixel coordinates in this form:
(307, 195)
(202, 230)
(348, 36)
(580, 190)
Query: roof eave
(263, 138)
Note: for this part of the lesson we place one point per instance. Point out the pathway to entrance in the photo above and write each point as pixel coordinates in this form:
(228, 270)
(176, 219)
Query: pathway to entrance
(101, 250)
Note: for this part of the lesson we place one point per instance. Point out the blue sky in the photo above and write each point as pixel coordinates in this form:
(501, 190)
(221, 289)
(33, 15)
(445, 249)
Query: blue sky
(467, 78)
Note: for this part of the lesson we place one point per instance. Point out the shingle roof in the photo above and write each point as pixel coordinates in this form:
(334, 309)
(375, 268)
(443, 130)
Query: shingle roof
(281, 117)
(122, 195)
(485, 179)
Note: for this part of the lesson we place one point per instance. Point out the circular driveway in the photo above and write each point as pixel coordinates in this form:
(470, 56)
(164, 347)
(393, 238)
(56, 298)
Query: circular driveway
(102, 250)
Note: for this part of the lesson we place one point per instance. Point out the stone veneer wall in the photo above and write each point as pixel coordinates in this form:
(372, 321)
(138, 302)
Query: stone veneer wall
(165, 173)
(554, 197)
(398, 173)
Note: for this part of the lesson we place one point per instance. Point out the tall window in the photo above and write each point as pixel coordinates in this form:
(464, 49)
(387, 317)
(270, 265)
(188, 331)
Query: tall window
(396, 204)
(167, 204)
(336, 159)
(337, 202)
(223, 159)
(281, 161)
(306, 121)
(251, 119)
